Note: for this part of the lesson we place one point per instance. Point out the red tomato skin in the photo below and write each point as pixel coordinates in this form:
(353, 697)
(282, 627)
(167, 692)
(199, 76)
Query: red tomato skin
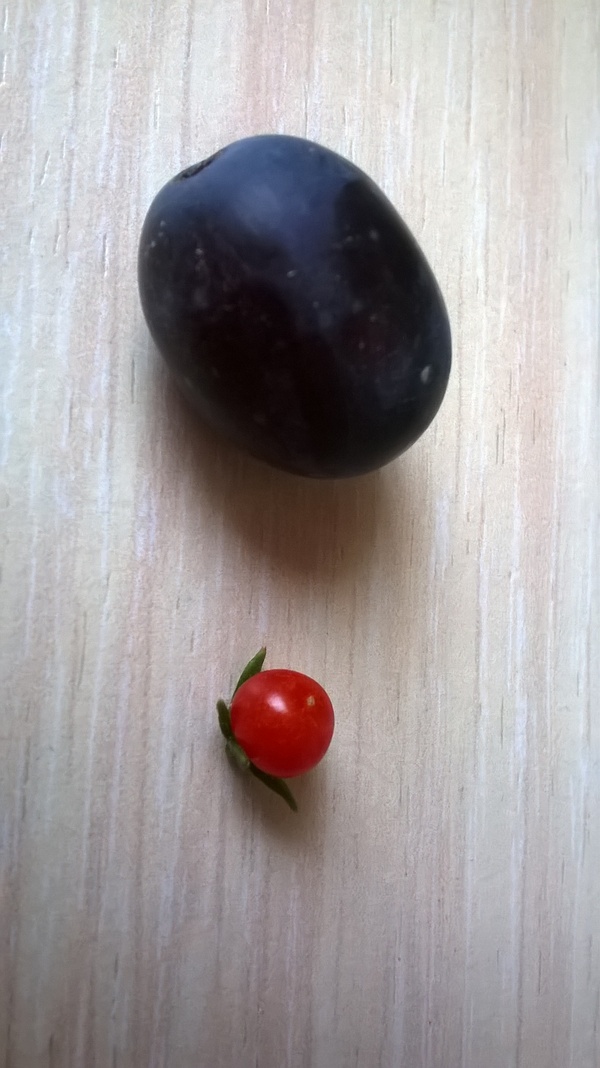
(283, 721)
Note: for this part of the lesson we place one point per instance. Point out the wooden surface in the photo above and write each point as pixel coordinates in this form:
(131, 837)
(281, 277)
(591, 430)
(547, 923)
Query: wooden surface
(435, 903)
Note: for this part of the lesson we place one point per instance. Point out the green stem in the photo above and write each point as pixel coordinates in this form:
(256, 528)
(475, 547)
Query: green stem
(238, 754)
(278, 786)
(252, 668)
(225, 721)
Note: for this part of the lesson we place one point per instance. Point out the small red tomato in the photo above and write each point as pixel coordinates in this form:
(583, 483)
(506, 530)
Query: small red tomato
(283, 721)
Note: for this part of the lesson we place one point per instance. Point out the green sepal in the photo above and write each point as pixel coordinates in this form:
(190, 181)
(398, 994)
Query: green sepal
(278, 786)
(238, 754)
(252, 668)
(225, 721)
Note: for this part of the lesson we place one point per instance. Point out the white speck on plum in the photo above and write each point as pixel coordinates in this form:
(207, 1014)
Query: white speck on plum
(426, 374)
(374, 235)
(292, 274)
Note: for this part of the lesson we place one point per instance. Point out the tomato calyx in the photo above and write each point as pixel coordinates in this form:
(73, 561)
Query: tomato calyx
(234, 749)
(252, 668)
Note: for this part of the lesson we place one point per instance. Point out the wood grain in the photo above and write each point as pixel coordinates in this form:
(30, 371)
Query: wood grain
(435, 903)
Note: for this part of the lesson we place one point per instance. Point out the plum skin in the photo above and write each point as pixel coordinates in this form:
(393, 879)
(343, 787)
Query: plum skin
(294, 307)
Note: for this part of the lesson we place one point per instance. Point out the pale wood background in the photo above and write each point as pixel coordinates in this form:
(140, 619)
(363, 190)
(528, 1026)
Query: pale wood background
(436, 901)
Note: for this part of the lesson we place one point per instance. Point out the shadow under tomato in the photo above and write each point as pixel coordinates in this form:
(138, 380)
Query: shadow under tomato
(292, 829)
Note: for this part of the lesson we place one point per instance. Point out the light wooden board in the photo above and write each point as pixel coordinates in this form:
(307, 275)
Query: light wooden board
(435, 903)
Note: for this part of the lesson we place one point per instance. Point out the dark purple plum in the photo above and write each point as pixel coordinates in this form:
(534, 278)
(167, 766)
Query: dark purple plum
(294, 307)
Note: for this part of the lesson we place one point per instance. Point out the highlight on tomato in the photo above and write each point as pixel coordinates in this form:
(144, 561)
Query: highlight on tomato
(279, 724)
